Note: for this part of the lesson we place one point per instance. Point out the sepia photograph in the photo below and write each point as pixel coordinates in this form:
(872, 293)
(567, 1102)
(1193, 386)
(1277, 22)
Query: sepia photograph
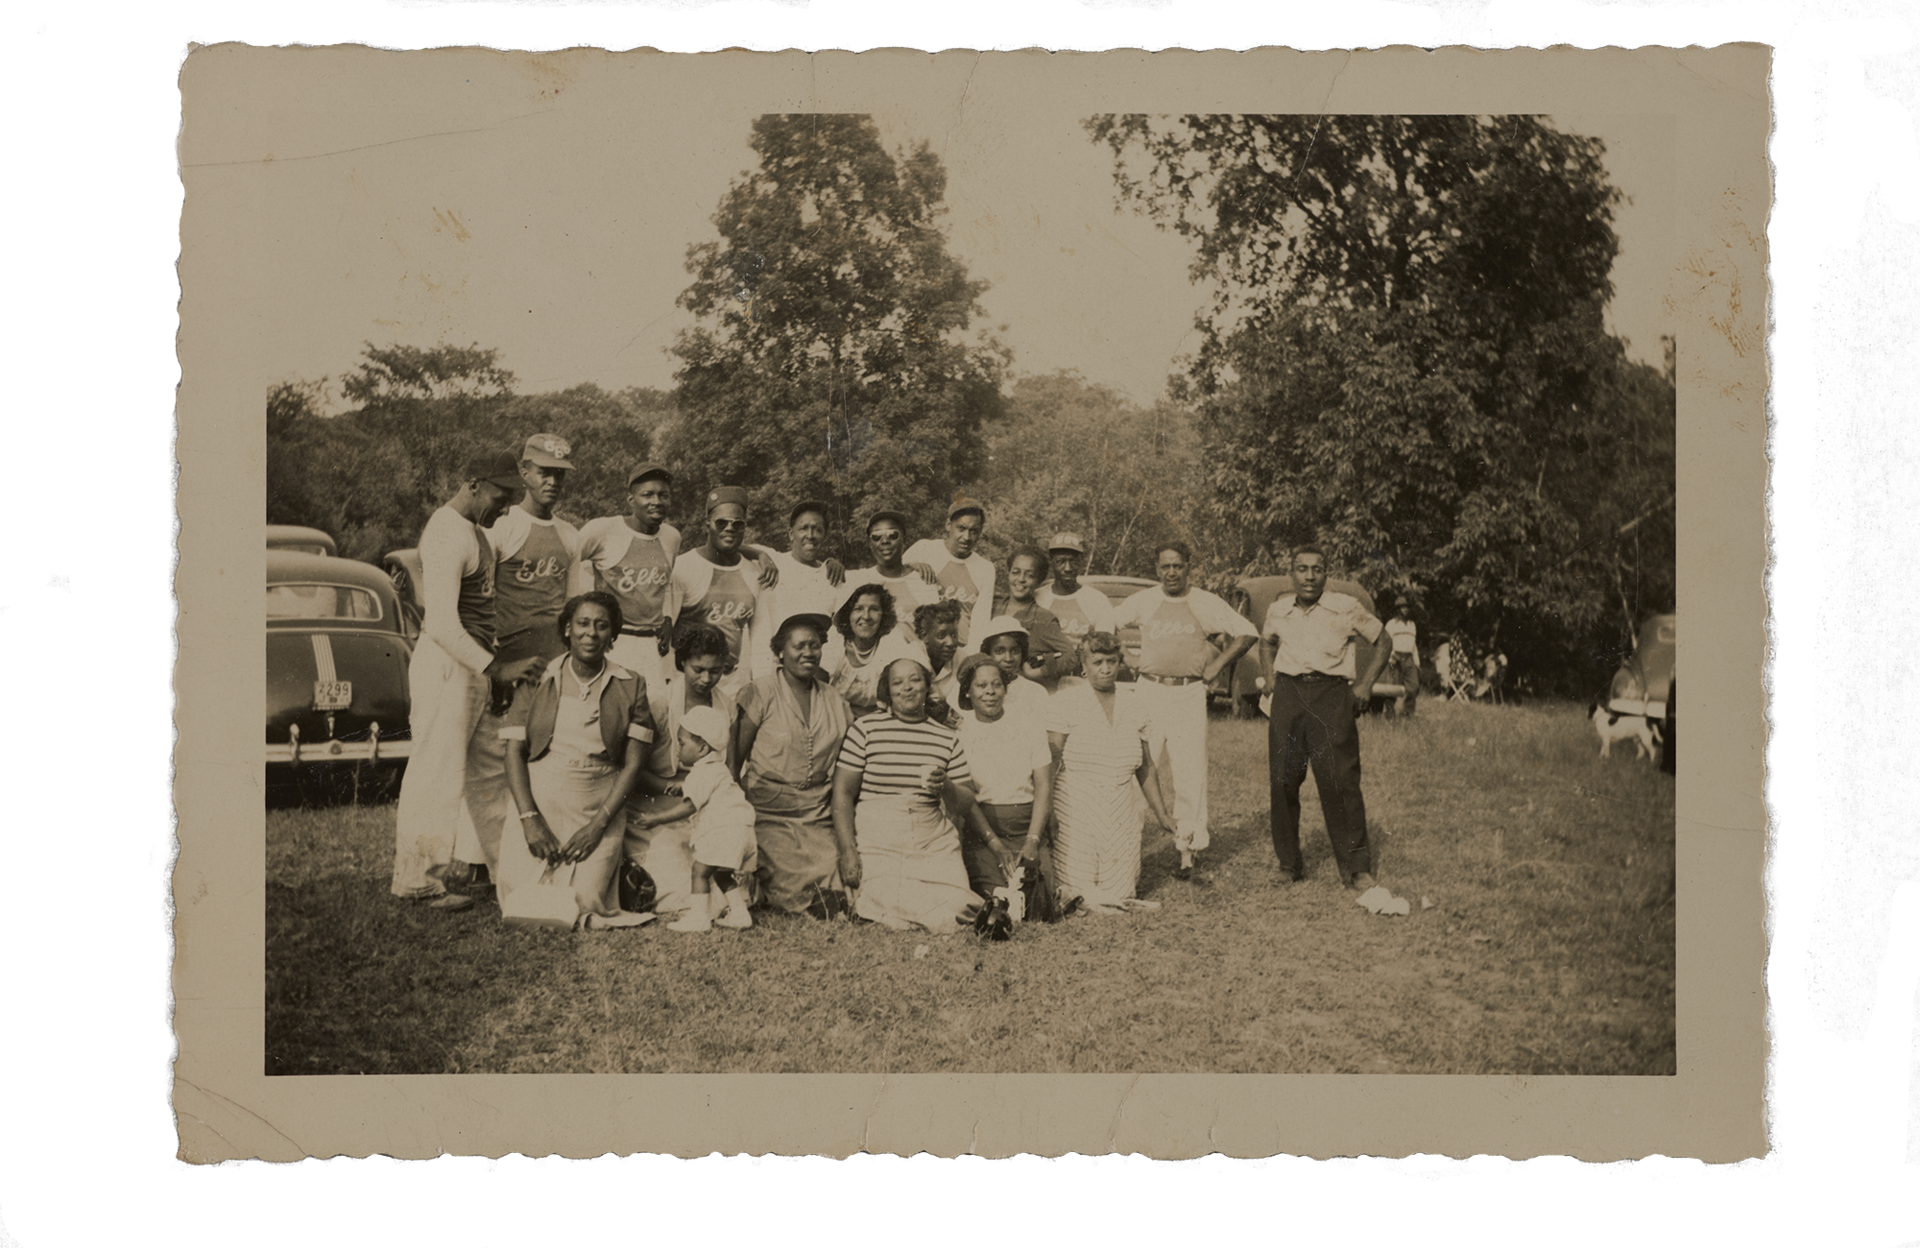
(965, 587)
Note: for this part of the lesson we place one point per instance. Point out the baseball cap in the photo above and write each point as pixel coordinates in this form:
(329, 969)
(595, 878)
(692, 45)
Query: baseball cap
(549, 450)
(963, 504)
(709, 724)
(721, 495)
(813, 619)
(648, 470)
(497, 468)
(805, 505)
(897, 517)
(1068, 541)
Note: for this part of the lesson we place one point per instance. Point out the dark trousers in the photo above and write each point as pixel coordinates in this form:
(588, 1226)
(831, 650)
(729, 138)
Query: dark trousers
(1313, 725)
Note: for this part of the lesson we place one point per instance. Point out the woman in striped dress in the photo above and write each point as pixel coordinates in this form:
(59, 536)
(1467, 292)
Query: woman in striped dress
(896, 846)
(1099, 743)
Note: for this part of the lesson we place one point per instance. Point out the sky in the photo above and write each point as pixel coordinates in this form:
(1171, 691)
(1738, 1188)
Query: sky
(554, 224)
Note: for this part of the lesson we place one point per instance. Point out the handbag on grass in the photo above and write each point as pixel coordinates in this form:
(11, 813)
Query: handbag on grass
(548, 903)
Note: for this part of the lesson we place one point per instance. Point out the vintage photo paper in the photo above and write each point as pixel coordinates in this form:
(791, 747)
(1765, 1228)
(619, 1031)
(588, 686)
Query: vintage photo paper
(343, 202)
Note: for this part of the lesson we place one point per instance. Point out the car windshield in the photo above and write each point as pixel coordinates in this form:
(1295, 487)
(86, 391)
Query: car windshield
(321, 602)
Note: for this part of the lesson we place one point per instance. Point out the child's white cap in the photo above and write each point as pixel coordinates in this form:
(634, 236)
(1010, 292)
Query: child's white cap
(708, 724)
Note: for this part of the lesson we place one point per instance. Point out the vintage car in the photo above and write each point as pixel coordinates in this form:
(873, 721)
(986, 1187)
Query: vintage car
(1640, 686)
(1256, 595)
(300, 538)
(337, 701)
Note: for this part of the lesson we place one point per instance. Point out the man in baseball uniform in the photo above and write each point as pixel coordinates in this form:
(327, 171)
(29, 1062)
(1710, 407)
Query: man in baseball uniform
(964, 575)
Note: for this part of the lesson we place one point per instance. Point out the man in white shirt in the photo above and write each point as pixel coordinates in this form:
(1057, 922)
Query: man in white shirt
(912, 585)
(1176, 662)
(534, 556)
(1081, 609)
(451, 676)
(807, 584)
(963, 575)
(1404, 665)
(1307, 645)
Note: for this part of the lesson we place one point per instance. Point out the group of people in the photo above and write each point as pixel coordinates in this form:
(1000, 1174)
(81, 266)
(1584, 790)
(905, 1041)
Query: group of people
(757, 728)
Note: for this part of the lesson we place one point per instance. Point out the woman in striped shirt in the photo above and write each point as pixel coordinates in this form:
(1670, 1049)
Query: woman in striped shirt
(896, 847)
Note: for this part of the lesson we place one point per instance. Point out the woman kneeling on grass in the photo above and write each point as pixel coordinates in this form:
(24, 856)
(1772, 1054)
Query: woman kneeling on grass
(575, 750)
(789, 734)
(1099, 744)
(896, 847)
(1014, 770)
(662, 847)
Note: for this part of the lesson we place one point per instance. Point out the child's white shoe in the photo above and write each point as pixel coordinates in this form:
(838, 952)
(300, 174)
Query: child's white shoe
(738, 915)
(698, 918)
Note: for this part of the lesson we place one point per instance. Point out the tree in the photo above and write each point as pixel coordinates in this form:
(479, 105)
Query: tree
(1405, 356)
(831, 357)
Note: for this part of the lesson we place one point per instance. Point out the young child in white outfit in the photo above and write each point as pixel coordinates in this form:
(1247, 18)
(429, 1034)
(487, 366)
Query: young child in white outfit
(722, 837)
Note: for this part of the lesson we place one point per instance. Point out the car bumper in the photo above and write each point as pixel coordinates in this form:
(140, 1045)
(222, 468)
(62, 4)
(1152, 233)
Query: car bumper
(1630, 706)
(338, 751)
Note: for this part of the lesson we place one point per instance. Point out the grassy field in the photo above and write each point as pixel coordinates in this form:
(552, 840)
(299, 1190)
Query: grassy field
(1548, 947)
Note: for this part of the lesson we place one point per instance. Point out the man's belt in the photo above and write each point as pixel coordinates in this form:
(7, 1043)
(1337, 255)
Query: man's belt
(628, 630)
(1309, 676)
(1169, 680)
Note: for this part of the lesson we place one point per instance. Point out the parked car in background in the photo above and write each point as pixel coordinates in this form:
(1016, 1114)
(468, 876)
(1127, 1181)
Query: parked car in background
(1642, 684)
(403, 569)
(337, 703)
(1260, 591)
(299, 537)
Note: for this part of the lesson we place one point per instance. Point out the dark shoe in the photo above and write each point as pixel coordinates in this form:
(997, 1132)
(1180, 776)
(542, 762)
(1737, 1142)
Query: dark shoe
(1361, 882)
(450, 901)
(1183, 873)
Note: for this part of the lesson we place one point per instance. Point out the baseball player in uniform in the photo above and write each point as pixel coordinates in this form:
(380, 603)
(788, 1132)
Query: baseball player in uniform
(716, 585)
(631, 557)
(963, 575)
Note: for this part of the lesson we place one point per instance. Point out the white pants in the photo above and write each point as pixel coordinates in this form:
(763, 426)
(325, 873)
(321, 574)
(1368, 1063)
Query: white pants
(1177, 740)
(489, 805)
(449, 703)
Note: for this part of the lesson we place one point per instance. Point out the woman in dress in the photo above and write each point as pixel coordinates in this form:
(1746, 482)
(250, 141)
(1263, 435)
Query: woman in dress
(1013, 771)
(895, 846)
(867, 625)
(791, 726)
(575, 751)
(1099, 745)
(700, 659)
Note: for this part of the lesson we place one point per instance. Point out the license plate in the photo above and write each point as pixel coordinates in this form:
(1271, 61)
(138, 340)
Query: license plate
(332, 695)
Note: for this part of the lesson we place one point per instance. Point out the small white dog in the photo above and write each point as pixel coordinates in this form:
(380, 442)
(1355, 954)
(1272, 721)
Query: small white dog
(1613, 726)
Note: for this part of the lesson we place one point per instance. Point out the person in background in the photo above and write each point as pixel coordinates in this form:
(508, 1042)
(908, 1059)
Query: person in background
(1104, 768)
(451, 677)
(1013, 767)
(1052, 653)
(576, 742)
(663, 848)
(717, 585)
(787, 738)
(807, 584)
(896, 770)
(868, 630)
(1176, 663)
(535, 554)
(965, 576)
(1307, 644)
(911, 585)
(1403, 667)
(937, 625)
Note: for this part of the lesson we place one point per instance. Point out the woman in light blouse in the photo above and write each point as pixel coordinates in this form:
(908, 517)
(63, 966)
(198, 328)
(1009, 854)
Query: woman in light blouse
(1013, 774)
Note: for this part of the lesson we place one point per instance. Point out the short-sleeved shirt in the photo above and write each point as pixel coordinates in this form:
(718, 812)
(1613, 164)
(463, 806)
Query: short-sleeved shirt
(967, 581)
(790, 748)
(1403, 633)
(635, 567)
(1173, 631)
(727, 600)
(534, 561)
(1318, 638)
(1098, 749)
(893, 756)
(1004, 755)
(1085, 610)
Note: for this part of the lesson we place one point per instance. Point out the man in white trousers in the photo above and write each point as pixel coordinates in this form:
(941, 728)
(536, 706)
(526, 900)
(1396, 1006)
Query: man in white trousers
(451, 676)
(1176, 662)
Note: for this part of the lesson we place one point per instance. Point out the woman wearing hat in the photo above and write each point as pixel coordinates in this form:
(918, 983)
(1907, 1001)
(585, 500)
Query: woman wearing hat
(716, 584)
(895, 845)
(1006, 643)
(664, 850)
(789, 734)
(1099, 744)
(1052, 654)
